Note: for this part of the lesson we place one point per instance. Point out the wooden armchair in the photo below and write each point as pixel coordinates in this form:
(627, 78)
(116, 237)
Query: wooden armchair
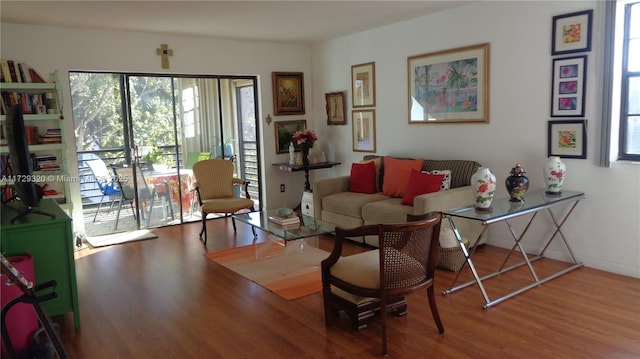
(214, 186)
(378, 280)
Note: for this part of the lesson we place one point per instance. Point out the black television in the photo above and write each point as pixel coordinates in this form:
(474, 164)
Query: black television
(26, 189)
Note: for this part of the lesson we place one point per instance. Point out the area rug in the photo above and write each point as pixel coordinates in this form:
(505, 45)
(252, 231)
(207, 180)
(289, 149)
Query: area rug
(290, 272)
(118, 238)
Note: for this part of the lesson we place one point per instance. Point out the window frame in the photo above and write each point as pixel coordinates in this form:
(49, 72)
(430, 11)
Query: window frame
(626, 76)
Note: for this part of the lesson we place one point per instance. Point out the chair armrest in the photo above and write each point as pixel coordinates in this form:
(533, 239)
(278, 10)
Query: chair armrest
(243, 182)
(324, 187)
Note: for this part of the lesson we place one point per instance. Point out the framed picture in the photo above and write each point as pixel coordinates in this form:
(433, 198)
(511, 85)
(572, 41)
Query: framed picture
(567, 138)
(363, 85)
(284, 134)
(571, 33)
(568, 86)
(336, 113)
(288, 93)
(364, 130)
(449, 86)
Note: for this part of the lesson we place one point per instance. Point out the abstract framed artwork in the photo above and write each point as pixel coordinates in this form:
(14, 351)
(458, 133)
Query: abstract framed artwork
(363, 85)
(284, 134)
(364, 130)
(288, 93)
(336, 112)
(449, 86)
(568, 86)
(567, 138)
(571, 33)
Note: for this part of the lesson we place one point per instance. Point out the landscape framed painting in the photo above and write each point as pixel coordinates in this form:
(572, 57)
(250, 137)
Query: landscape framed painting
(363, 85)
(568, 86)
(571, 33)
(567, 138)
(284, 134)
(449, 86)
(364, 130)
(288, 93)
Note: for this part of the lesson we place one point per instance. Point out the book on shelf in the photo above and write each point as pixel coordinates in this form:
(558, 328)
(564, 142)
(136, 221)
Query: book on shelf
(285, 221)
(13, 71)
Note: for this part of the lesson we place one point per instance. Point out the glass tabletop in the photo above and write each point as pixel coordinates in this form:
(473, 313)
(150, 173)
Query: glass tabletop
(309, 226)
(502, 209)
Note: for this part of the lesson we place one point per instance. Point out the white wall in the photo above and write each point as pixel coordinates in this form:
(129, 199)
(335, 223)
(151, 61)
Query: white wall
(53, 48)
(604, 229)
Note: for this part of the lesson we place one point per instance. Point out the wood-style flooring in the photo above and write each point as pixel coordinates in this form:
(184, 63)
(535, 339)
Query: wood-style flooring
(162, 298)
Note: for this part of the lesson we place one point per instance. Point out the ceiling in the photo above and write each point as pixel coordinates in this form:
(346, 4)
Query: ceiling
(281, 21)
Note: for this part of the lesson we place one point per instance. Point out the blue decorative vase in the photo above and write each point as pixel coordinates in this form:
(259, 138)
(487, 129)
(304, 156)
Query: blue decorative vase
(517, 184)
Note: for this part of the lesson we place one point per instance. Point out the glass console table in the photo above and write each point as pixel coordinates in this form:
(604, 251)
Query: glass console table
(503, 211)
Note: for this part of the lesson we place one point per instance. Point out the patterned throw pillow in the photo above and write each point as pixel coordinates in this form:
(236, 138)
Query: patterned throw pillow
(446, 182)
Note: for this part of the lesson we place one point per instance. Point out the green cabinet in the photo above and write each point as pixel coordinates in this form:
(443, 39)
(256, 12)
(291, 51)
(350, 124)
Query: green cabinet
(50, 242)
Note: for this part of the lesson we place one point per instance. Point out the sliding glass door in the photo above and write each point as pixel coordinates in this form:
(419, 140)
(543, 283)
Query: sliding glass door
(153, 128)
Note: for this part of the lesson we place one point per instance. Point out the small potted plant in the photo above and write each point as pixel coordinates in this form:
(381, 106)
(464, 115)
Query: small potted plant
(156, 159)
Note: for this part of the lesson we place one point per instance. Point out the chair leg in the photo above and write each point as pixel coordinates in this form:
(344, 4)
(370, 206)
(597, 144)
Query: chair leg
(98, 210)
(204, 228)
(434, 309)
(115, 225)
(233, 221)
(383, 325)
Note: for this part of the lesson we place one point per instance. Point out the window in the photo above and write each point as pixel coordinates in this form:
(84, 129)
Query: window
(629, 140)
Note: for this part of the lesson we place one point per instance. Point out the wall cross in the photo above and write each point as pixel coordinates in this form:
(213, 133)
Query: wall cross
(164, 52)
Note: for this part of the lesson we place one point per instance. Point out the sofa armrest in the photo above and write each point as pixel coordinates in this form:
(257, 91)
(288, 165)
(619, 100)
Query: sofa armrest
(443, 200)
(326, 186)
(452, 198)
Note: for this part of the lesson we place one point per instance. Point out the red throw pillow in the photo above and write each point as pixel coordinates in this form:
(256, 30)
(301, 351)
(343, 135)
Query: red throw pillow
(421, 183)
(396, 175)
(363, 178)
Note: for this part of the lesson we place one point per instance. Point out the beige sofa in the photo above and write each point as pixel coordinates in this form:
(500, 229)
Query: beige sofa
(332, 201)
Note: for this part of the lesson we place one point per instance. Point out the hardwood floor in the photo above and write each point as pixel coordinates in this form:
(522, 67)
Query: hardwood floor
(162, 298)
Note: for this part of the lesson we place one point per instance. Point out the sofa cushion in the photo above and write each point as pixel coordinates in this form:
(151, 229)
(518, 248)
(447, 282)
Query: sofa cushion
(349, 203)
(363, 178)
(390, 210)
(421, 183)
(461, 170)
(396, 175)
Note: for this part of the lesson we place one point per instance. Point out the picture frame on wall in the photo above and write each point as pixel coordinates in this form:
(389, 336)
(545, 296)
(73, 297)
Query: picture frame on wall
(567, 138)
(364, 130)
(284, 131)
(449, 86)
(571, 33)
(336, 111)
(363, 85)
(288, 93)
(569, 86)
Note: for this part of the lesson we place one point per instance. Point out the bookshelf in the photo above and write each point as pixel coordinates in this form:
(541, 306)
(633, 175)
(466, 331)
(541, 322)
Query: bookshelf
(42, 116)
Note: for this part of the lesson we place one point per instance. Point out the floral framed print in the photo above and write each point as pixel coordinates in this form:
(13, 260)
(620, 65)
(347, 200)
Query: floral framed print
(336, 113)
(363, 85)
(567, 138)
(284, 134)
(571, 33)
(364, 130)
(288, 93)
(449, 86)
(568, 86)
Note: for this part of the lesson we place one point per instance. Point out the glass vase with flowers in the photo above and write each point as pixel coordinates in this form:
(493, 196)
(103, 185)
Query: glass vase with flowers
(305, 139)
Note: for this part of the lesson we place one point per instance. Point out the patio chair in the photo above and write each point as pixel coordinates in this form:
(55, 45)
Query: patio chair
(214, 188)
(146, 195)
(378, 280)
(105, 182)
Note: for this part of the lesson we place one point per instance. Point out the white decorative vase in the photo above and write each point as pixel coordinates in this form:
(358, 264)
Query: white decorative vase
(483, 186)
(554, 173)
